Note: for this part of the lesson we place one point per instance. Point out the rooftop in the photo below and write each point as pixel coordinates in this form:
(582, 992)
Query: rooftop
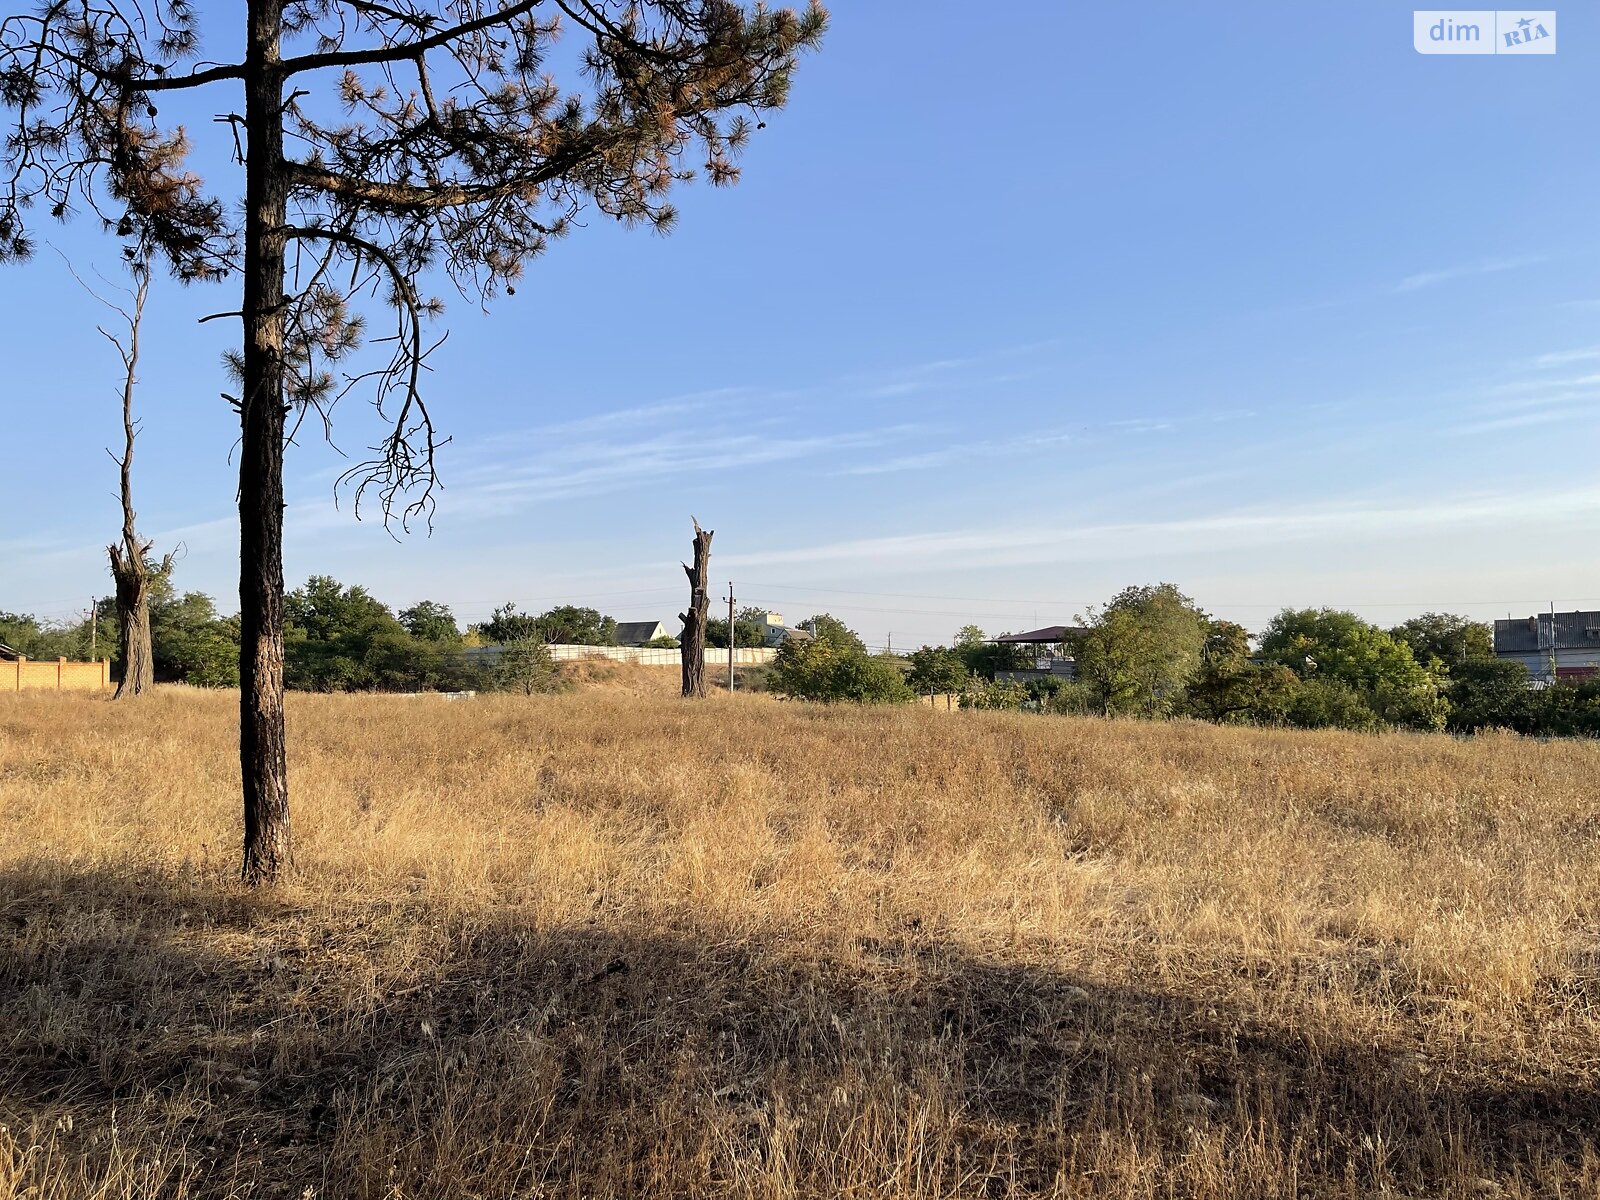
(1533, 635)
(1044, 636)
(637, 631)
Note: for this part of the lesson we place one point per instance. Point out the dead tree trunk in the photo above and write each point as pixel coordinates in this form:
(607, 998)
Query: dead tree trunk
(133, 627)
(694, 621)
(130, 561)
(263, 756)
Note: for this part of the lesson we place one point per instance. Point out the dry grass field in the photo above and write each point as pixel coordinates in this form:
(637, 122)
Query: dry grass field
(610, 944)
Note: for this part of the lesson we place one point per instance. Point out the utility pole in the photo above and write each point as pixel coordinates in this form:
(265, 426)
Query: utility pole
(731, 638)
(1554, 658)
(94, 628)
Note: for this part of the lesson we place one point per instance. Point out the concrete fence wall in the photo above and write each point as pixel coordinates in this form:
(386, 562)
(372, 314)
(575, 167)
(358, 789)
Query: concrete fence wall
(60, 675)
(646, 656)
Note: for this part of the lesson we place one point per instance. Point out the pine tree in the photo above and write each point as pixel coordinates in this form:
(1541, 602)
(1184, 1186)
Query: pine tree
(381, 144)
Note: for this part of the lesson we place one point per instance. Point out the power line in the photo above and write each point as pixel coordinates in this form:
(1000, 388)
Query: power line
(1419, 604)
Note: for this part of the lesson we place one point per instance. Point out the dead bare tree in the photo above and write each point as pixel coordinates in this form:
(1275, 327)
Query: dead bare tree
(694, 621)
(131, 565)
(131, 568)
(381, 143)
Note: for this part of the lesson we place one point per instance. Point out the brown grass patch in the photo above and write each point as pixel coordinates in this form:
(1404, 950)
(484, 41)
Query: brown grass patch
(606, 944)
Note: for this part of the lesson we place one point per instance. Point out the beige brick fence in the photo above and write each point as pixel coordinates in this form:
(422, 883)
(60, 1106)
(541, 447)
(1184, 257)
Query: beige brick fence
(60, 675)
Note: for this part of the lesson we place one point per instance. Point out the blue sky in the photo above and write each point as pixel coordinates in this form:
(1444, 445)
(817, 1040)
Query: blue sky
(1004, 315)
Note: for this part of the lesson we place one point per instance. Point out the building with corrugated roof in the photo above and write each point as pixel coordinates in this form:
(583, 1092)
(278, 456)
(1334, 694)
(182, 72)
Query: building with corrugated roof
(1553, 646)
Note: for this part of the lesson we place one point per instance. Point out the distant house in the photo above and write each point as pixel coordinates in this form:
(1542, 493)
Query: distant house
(639, 633)
(1050, 650)
(1555, 647)
(776, 632)
(7, 654)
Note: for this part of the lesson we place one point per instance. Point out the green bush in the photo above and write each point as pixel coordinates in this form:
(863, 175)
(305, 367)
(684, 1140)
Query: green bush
(823, 670)
(1330, 704)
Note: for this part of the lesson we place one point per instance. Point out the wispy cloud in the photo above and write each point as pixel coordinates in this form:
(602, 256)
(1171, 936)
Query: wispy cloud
(1426, 279)
(901, 387)
(636, 416)
(1516, 421)
(1565, 358)
(1029, 545)
(1523, 387)
(945, 456)
(587, 468)
(1024, 444)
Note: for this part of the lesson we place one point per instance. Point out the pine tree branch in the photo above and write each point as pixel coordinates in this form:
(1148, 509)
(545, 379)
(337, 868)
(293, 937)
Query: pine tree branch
(395, 196)
(404, 50)
(153, 83)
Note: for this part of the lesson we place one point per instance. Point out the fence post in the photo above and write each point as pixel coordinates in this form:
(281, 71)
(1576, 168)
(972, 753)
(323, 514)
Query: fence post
(61, 665)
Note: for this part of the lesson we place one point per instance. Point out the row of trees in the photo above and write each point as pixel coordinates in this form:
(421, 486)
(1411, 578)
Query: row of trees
(337, 638)
(1152, 652)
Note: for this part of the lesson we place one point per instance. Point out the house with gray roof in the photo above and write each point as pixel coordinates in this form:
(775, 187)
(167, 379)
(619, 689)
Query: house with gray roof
(1555, 647)
(639, 633)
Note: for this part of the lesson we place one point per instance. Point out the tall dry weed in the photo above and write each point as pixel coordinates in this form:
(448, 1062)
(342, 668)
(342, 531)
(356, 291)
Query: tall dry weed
(610, 944)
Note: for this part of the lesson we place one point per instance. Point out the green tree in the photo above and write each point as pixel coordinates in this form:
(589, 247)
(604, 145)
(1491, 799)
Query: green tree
(1493, 693)
(825, 627)
(838, 668)
(331, 634)
(1142, 648)
(508, 624)
(569, 625)
(192, 643)
(968, 636)
(748, 633)
(936, 671)
(526, 666)
(1330, 703)
(431, 622)
(984, 657)
(26, 634)
(988, 695)
(1327, 644)
(1568, 710)
(1231, 686)
(35, 638)
(1442, 640)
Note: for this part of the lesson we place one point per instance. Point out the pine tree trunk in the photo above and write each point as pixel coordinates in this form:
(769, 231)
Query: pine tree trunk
(694, 621)
(262, 752)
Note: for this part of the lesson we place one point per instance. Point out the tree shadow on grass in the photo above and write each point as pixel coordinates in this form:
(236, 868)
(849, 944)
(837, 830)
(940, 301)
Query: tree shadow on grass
(262, 1045)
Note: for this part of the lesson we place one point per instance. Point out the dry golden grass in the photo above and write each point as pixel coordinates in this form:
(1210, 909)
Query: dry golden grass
(610, 944)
